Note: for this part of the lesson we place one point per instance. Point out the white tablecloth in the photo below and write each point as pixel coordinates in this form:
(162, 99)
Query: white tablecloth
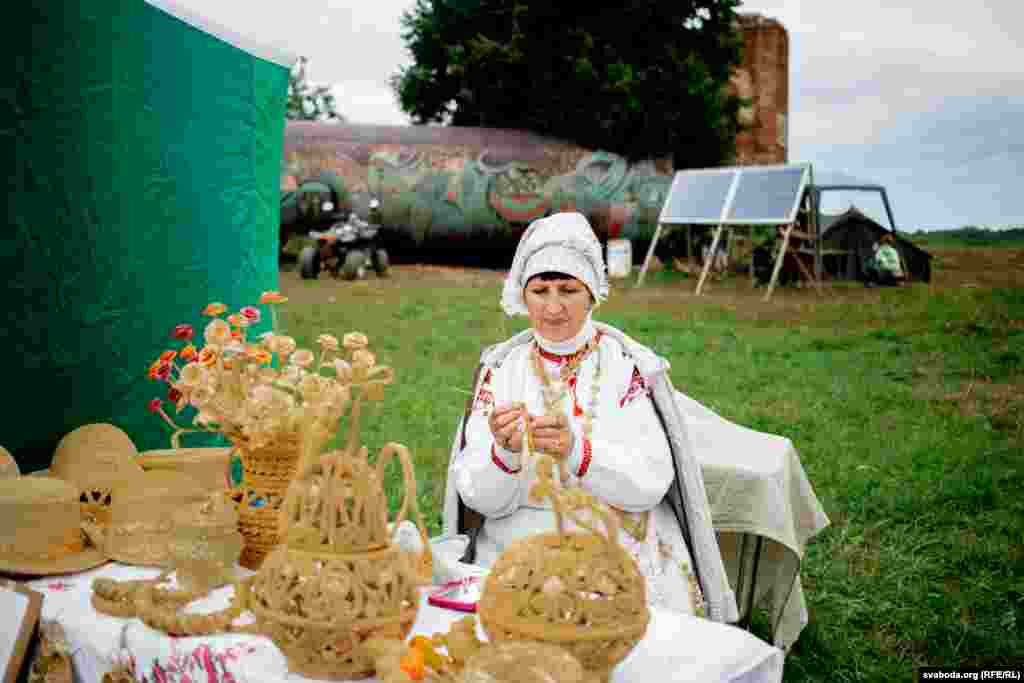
(757, 487)
(676, 649)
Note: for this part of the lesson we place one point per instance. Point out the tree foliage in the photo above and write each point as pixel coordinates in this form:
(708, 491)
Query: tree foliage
(642, 79)
(309, 102)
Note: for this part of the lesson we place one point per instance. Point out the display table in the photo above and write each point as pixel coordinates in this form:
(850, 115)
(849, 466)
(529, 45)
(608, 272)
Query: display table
(764, 511)
(676, 649)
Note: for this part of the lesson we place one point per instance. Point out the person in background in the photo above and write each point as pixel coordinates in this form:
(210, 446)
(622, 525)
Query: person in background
(888, 269)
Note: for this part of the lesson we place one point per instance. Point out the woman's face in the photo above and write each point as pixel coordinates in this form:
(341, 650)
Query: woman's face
(557, 308)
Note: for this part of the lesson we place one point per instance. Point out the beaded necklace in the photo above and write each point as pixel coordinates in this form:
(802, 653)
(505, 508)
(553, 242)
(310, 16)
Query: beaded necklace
(634, 524)
(554, 390)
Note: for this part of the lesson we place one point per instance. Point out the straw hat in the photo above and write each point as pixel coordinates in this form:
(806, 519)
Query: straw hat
(41, 528)
(95, 458)
(8, 465)
(140, 524)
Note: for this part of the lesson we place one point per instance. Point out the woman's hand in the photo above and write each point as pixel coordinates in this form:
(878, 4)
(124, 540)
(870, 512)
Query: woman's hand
(506, 425)
(552, 435)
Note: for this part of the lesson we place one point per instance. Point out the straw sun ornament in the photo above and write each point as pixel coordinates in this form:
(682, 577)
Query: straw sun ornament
(266, 390)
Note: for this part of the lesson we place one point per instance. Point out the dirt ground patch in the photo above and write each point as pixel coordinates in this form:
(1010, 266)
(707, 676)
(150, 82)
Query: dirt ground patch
(959, 268)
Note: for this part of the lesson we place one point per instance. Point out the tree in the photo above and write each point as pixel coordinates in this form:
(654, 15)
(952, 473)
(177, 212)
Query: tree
(645, 79)
(309, 102)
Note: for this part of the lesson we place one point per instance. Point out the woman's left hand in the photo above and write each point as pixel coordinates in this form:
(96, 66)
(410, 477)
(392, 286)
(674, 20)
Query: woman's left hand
(552, 435)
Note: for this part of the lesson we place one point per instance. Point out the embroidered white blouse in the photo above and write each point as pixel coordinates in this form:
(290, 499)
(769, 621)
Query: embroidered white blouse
(627, 464)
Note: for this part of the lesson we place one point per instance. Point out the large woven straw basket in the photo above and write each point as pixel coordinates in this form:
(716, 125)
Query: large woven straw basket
(266, 474)
(336, 581)
(580, 590)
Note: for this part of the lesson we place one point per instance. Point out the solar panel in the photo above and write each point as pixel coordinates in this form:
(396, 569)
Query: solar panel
(697, 196)
(767, 195)
(735, 195)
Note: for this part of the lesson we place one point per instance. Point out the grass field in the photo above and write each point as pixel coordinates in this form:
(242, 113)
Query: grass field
(905, 405)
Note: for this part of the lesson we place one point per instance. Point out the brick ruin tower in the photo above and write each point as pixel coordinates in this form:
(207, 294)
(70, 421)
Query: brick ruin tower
(763, 77)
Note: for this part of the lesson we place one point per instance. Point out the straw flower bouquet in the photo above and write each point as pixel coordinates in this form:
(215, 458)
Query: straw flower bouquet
(279, 405)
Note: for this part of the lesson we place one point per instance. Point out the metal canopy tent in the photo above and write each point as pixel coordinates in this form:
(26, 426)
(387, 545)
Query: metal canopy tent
(739, 195)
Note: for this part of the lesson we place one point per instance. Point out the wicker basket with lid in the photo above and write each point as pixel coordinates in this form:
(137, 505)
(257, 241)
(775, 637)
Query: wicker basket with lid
(578, 589)
(336, 581)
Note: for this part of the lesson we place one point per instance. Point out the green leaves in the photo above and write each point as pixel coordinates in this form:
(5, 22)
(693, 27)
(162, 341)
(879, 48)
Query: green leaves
(628, 79)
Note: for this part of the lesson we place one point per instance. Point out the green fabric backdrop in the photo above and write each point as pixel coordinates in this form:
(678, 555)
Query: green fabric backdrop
(146, 157)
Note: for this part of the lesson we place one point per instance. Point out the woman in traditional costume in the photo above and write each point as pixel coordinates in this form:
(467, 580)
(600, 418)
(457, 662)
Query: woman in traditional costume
(600, 402)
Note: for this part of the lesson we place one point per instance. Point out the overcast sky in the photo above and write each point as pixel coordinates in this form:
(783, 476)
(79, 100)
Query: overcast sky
(926, 98)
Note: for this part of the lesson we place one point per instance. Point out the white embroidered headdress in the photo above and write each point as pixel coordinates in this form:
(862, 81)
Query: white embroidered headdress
(561, 243)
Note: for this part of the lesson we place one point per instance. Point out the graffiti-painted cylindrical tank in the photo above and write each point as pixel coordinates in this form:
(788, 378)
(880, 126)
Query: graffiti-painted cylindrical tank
(463, 190)
(442, 186)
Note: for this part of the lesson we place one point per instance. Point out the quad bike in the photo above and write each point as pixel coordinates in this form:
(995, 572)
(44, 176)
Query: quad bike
(348, 249)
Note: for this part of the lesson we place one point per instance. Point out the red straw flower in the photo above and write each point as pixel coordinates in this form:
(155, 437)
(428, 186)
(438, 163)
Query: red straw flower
(163, 371)
(155, 405)
(183, 332)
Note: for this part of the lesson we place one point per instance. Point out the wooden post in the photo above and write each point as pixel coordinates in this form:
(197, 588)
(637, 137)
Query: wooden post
(689, 250)
(709, 259)
(650, 253)
(778, 261)
(753, 280)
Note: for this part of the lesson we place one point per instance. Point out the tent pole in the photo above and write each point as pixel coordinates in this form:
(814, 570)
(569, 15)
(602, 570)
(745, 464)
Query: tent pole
(650, 253)
(709, 259)
(778, 261)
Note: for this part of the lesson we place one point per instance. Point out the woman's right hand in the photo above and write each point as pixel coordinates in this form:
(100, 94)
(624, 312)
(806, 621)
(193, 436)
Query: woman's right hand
(506, 423)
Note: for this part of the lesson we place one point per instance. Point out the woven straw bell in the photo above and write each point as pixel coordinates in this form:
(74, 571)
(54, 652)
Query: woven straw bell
(41, 528)
(576, 588)
(140, 524)
(336, 581)
(96, 458)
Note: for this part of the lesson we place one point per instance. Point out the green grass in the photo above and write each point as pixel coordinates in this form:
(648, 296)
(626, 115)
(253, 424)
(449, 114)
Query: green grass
(906, 411)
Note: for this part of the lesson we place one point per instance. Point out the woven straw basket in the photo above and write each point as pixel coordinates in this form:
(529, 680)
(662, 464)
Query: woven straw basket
(581, 591)
(336, 581)
(266, 474)
(208, 466)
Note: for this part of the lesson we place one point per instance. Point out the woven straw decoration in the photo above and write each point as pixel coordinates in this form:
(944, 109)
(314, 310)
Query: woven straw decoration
(332, 585)
(522, 662)
(581, 591)
(206, 543)
(141, 518)
(208, 466)
(267, 472)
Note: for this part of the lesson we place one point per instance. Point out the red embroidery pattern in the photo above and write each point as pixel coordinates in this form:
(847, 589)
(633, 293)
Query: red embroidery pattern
(637, 387)
(585, 460)
(502, 466)
(203, 662)
(485, 397)
(59, 586)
